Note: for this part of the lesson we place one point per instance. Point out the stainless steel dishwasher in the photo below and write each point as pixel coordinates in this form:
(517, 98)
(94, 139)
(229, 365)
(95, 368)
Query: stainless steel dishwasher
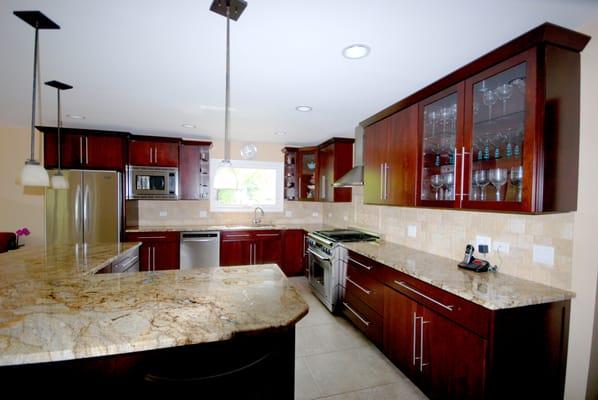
(200, 249)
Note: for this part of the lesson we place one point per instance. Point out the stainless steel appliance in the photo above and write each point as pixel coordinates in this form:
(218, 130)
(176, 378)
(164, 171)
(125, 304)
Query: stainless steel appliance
(89, 211)
(152, 183)
(127, 263)
(200, 249)
(327, 268)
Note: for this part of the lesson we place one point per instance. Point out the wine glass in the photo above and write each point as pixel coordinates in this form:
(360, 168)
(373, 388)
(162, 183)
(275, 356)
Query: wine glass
(504, 92)
(474, 186)
(517, 179)
(519, 83)
(433, 116)
(489, 99)
(481, 180)
(436, 183)
(447, 184)
(498, 177)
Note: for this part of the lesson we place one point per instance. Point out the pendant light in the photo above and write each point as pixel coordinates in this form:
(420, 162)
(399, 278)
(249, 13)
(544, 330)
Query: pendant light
(58, 180)
(33, 174)
(225, 177)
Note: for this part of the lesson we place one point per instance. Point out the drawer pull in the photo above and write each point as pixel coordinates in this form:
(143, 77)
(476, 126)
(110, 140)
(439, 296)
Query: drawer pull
(268, 234)
(358, 286)
(234, 236)
(152, 237)
(403, 284)
(366, 323)
(360, 264)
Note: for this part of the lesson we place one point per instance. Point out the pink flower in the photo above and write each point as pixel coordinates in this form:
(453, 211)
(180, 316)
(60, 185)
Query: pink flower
(23, 232)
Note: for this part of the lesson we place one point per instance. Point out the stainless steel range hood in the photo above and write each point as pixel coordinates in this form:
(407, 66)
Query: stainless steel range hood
(355, 176)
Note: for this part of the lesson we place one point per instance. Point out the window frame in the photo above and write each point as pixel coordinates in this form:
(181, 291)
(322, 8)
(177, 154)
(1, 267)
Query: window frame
(249, 164)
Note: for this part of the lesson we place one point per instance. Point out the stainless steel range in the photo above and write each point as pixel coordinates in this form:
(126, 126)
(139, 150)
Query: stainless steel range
(327, 267)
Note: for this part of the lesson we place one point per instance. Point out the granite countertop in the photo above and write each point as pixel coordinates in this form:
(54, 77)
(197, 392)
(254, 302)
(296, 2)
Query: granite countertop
(52, 306)
(187, 228)
(492, 290)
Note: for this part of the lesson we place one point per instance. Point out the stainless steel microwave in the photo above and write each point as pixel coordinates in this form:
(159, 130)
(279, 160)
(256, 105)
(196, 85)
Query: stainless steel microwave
(152, 183)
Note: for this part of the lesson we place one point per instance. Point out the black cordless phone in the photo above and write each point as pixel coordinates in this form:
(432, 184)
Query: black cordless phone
(471, 263)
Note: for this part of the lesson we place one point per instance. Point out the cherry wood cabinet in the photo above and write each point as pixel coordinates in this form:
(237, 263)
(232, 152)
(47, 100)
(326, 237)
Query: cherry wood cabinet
(82, 148)
(293, 249)
(250, 247)
(311, 171)
(153, 151)
(499, 134)
(336, 159)
(194, 170)
(390, 159)
(159, 250)
(453, 348)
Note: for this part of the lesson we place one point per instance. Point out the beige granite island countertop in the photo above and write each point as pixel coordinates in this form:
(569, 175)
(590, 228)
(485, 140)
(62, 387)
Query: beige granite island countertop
(52, 308)
(492, 290)
(187, 228)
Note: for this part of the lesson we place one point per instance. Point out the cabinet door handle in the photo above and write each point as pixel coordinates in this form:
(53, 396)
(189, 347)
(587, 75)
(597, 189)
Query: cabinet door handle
(149, 258)
(323, 184)
(86, 150)
(421, 344)
(385, 181)
(151, 155)
(360, 264)
(81, 150)
(358, 286)
(366, 323)
(154, 258)
(151, 237)
(234, 236)
(268, 234)
(381, 181)
(414, 336)
(403, 284)
(156, 155)
(255, 253)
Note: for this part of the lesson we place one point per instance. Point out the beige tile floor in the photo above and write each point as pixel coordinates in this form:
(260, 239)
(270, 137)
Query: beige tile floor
(335, 361)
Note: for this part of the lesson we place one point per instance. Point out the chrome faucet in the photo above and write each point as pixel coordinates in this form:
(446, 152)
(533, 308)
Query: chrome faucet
(256, 220)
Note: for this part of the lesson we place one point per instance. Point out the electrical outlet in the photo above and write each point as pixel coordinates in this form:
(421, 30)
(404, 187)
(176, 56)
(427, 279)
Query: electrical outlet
(412, 231)
(501, 247)
(544, 255)
(203, 214)
(487, 240)
(329, 215)
(288, 214)
(315, 214)
(163, 213)
(345, 218)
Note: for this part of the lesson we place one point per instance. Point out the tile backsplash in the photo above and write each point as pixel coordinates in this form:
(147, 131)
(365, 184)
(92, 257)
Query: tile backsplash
(197, 212)
(446, 232)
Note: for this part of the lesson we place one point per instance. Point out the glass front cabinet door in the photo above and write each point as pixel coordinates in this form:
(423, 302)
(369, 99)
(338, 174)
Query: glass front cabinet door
(499, 136)
(441, 144)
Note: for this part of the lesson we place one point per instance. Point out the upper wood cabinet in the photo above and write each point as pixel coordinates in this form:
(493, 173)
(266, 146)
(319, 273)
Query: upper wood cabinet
(194, 170)
(390, 159)
(156, 152)
(307, 173)
(82, 148)
(336, 159)
(500, 134)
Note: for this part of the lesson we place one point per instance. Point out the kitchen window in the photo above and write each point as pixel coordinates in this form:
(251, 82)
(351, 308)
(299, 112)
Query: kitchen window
(259, 184)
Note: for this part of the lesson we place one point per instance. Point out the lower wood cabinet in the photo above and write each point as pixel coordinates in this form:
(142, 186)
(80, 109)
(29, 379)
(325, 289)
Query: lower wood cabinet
(453, 348)
(293, 246)
(159, 251)
(250, 247)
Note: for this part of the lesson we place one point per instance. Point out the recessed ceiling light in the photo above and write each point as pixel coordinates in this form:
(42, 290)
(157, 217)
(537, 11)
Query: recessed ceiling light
(356, 51)
(190, 126)
(303, 108)
(75, 116)
(280, 133)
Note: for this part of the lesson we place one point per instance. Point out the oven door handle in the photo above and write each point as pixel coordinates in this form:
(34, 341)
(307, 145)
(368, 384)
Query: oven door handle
(318, 255)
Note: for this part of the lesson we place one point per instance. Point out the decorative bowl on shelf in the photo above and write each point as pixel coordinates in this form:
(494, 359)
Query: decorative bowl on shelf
(311, 165)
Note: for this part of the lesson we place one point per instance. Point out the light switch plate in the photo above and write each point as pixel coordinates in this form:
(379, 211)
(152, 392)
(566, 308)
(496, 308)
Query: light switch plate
(203, 214)
(487, 240)
(288, 214)
(544, 255)
(163, 213)
(412, 231)
(501, 247)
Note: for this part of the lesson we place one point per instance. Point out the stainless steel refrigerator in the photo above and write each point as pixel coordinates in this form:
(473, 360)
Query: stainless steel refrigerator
(89, 211)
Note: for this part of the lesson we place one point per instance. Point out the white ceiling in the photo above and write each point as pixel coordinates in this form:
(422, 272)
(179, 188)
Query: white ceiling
(148, 66)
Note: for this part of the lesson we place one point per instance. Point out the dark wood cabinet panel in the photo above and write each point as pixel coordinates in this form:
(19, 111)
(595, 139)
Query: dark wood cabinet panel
(83, 148)
(293, 249)
(194, 170)
(363, 317)
(374, 155)
(401, 165)
(166, 255)
(307, 173)
(335, 159)
(105, 151)
(236, 248)
(156, 152)
(159, 250)
(268, 247)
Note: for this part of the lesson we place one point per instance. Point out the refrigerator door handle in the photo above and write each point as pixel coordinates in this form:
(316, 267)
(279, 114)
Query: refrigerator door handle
(78, 209)
(154, 258)
(86, 222)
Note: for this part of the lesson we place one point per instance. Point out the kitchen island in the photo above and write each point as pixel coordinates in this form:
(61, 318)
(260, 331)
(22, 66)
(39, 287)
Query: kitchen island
(212, 328)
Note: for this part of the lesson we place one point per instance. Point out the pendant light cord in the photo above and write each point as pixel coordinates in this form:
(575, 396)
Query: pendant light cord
(227, 94)
(35, 51)
(59, 123)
